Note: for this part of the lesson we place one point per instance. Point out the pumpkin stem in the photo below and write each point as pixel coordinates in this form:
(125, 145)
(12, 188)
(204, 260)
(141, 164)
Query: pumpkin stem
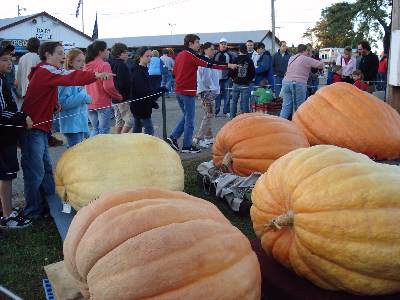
(281, 221)
(226, 162)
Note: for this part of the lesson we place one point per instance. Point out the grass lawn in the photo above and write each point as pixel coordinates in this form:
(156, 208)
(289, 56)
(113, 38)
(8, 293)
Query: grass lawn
(25, 252)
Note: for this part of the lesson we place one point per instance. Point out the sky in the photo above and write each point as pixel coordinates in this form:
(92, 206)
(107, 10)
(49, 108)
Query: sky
(122, 18)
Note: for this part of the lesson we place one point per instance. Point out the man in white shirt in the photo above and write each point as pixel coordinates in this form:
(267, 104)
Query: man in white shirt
(348, 64)
(26, 62)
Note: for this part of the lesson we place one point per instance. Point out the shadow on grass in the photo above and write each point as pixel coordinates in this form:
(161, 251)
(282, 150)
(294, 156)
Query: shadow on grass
(24, 252)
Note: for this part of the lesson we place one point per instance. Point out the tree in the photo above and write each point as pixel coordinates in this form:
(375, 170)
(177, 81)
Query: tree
(375, 16)
(345, 24)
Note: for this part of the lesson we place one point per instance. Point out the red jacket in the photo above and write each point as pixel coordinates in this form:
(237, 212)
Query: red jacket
(185, 70)
(42, 94)
(361, 85)
(336, 78)
(383, 66)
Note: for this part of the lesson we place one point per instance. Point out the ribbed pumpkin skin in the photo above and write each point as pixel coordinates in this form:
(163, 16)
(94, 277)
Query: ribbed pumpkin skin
(157, 244)
(112, 162)
(255, 141)
(346, 218)
(340, 114)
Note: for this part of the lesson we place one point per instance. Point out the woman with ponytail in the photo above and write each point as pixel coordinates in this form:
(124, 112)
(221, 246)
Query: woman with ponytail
(101, 92)
(142, 89)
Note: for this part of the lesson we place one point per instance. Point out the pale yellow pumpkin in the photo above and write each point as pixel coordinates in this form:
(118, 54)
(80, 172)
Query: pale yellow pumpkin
(112, 162)
(160, 245)
(333, 216)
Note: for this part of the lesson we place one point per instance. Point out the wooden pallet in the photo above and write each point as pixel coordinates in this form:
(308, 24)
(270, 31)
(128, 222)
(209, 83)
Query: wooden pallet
(63, 286)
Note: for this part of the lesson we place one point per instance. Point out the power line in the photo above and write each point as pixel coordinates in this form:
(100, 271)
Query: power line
(169, 4)
(145, 10)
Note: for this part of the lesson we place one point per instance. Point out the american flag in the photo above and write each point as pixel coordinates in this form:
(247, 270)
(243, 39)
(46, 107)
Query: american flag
(78, 7)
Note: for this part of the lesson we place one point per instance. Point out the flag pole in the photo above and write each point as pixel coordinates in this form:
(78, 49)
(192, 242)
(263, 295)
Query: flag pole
(83, 24)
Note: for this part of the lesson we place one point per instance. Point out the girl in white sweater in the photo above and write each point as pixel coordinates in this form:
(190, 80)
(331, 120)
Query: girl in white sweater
(207, 91)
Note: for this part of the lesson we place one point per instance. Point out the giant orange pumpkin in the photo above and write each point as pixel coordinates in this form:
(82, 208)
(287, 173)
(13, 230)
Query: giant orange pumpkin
(158, 244)
(251, 142)
(333, 216)
(340, 114)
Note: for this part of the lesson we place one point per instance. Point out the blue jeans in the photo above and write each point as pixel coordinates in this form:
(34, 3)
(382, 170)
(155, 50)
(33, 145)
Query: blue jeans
(293, 94)
(100, 120)
(186, 124)
(224, 84)
(167, 81)
(381, 86)
(38, 172)
(56, 122)
(74, 138)
(140, 123)
(277, 85)
(242, 91)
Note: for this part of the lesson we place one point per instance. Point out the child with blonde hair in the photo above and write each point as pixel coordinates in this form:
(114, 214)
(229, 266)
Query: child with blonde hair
(74, 102)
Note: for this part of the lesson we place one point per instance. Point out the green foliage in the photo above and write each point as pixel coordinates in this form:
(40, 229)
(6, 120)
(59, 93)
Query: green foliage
(345, 24)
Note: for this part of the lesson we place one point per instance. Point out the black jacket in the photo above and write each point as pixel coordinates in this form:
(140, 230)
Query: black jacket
(122, 78)
(245, 71)
(9, 115)
(369, 65)
(224, 57)
(280, 63)
(140, 87)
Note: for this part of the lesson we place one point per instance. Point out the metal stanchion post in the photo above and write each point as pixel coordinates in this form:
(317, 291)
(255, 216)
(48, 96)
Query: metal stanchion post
(294, 108)
(164, 116)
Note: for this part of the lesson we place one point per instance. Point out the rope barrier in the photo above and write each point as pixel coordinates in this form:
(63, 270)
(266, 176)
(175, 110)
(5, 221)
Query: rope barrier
(151, 96)
(94, 109)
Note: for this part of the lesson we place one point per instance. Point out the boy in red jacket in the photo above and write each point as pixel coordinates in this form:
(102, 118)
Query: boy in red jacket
(40, 103)
(185, 73)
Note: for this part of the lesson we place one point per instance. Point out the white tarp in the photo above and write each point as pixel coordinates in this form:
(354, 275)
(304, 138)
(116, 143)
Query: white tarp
(228, 186)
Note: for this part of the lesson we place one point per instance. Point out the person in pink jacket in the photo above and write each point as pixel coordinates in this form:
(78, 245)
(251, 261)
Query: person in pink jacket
(100, 109)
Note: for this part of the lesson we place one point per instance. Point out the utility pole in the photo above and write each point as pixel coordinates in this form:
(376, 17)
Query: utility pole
(19, 9)
(83, 23)
(393, 92)
(171, 25)
(273, 26)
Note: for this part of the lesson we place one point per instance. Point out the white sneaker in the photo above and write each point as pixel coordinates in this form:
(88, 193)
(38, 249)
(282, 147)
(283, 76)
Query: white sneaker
(203, 144)
(228, 115)
(209, 141)
(14, 221)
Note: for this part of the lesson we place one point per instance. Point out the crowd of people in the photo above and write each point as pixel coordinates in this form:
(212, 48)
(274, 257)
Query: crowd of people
(66, 91)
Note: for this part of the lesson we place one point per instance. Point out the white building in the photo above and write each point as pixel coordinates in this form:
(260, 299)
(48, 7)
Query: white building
(176, 41)
(43, 26)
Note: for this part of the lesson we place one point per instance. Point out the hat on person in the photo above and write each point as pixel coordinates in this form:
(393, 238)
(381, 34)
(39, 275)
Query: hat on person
(8, 48)
(223, 40)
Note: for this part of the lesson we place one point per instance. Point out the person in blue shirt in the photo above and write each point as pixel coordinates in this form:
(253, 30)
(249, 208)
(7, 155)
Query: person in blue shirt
(264, 65)
(155, 68)
(74, 103)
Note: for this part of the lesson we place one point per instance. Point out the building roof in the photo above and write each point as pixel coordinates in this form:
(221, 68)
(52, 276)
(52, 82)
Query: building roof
(11, 22)
(233, 37)
(8, 21)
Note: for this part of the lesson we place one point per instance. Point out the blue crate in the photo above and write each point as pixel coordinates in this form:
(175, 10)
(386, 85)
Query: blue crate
(48, 290)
